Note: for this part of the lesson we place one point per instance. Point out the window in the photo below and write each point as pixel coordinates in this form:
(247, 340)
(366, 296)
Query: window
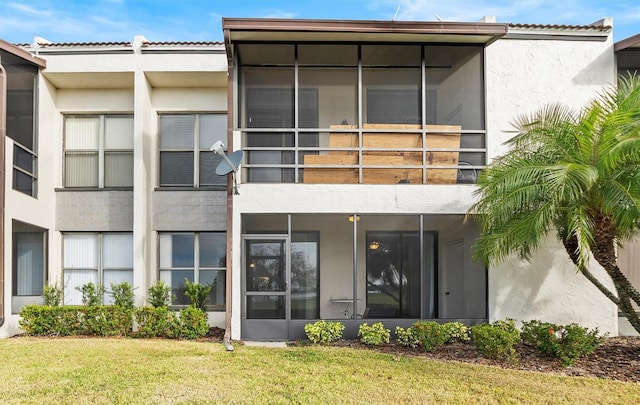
(28, 260)
(98, 151)
(98, 258)
(198, 257)
(185, 157)
(21, 126)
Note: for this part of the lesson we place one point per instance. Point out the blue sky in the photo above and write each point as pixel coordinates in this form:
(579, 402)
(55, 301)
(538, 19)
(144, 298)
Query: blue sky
(200, 20)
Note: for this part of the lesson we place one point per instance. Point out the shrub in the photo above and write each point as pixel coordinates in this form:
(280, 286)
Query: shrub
(122, 295)
(323, 331)
(190, 323)
(456, 332)
(197, 293)
(152, 321)
(52, 295)
(566, 342)
(91, 294)
(406, 337)
(374, 335)
(497, 340)
(41, 320)
(430, 334)
(159, 295)
(101, 320)
(38, 320)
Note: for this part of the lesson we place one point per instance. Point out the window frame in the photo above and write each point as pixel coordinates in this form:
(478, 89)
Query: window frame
(195, 150)
(101, 151)
(196, 268)
(100, 265)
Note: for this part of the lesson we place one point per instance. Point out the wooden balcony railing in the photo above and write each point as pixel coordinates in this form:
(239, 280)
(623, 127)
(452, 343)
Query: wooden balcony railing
(387, 156)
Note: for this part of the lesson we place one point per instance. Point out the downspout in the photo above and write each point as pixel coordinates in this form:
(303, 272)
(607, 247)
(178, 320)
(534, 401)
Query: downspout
(229, 262)
(3, 130)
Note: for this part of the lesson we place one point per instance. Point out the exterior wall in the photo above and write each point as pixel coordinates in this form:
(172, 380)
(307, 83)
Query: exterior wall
(96, 211)
(189, 210)
(522, 76)
(98, 82)
(550, 289)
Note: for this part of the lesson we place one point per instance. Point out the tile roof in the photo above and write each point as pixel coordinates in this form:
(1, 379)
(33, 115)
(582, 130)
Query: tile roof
(81, 44)
(591, 27)
(182, 43)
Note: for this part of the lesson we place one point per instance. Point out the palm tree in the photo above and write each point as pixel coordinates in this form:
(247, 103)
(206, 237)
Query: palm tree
(573, 173)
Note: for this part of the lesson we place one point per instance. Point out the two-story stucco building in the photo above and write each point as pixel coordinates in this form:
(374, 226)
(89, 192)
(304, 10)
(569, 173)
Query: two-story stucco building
(362, 141)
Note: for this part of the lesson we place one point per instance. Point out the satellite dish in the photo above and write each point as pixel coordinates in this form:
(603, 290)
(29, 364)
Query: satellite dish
(229, 164)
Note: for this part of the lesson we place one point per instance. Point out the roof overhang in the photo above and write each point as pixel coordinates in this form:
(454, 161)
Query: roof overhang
(21, 53)
(628, 43)
(288, 30)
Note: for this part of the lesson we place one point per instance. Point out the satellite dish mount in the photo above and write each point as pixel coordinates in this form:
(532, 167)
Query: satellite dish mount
(229, 164)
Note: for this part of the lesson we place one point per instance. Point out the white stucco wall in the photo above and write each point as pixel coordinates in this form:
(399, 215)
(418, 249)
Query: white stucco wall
(523, 75)
(550, 289)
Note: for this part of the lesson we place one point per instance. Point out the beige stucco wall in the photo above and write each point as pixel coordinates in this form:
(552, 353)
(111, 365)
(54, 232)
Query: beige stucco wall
(95, 82)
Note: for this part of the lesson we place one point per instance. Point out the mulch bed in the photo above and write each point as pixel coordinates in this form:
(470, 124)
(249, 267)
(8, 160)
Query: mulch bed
(617, 358)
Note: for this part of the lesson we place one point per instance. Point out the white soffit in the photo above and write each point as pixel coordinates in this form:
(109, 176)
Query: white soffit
(91, 80)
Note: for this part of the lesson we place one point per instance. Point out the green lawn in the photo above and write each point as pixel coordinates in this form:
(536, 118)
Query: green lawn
(99, 371)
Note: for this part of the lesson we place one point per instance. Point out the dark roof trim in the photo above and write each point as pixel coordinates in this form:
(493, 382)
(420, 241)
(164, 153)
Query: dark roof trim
(363, 27)
(21, 53)
(631, 42)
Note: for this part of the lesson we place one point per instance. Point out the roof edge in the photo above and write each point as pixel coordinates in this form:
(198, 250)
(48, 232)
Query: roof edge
(362, 26)
(21, 53)
(631, 42)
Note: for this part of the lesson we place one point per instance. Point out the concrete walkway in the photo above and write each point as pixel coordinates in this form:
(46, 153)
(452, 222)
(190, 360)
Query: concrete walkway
(255, 343)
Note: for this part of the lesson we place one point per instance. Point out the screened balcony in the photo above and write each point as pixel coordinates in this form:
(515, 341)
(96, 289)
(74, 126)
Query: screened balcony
(361, 113)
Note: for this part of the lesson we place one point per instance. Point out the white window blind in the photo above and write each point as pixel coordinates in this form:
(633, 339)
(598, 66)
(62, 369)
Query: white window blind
(117, 251)
(29, 264)
(81, 251)
(118, 132)
(77, 278)
(97, 258)
(99, 151)
(82, 133)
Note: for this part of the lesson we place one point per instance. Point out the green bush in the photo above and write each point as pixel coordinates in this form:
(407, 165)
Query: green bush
(190, 323)
(430, 334)
(323, 331)
(497, 340)
(52, 295)
(159, 295)
(374, 335)
(122, 295)
(91, 294)
(152, 321)
(39, 320)
(456, 332)
(405, 337)
(197, 293)
(566, 342)
(106, 321)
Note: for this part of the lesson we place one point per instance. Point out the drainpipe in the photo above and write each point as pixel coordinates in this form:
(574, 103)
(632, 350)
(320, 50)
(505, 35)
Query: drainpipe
(3, 129)
(229, 263)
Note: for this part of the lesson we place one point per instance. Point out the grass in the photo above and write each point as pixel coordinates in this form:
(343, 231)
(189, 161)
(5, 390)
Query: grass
(99, 371)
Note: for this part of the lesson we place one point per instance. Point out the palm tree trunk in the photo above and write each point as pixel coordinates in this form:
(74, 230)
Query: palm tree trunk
(604, 252)
(570, 245)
